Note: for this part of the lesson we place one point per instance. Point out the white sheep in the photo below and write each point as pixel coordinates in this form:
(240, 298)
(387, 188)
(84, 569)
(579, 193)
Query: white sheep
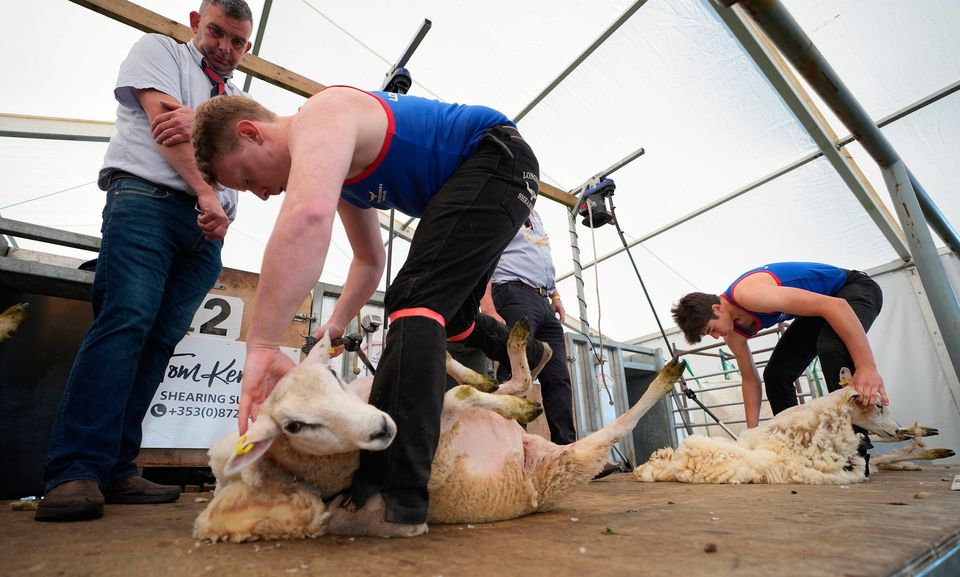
(812, 443)
(303, 448)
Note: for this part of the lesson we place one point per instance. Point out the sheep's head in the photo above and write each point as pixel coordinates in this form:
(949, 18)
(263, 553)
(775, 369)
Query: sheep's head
(875, 418)
(317, 414)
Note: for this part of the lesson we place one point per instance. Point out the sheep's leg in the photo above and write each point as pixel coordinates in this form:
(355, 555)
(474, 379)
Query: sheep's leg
(521, 379)
(461, 398)
(905, 433)
(11, 319)
(624, 424)
(466, 376)
(924, 455)
(555, 470)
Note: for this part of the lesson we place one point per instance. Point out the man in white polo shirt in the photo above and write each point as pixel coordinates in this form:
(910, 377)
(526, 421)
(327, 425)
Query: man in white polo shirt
(163, 229)
(523, 285)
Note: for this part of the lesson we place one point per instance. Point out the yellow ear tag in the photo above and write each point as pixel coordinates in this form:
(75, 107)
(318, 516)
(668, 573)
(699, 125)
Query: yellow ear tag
(242, 446)
(844, 382)
(331, 350)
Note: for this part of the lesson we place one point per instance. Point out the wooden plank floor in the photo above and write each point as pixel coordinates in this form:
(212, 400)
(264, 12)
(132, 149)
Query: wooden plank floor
(614, 526)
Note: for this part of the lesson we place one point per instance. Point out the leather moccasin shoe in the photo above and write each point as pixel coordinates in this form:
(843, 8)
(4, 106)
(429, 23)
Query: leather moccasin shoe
(136, 490)
(79, 500)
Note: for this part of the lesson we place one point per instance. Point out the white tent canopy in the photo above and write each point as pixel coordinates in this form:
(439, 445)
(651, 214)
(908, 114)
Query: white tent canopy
(672, 79)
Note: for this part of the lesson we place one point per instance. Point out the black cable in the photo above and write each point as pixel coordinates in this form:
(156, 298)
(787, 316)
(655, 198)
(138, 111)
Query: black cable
(687, 391)
(623, 239)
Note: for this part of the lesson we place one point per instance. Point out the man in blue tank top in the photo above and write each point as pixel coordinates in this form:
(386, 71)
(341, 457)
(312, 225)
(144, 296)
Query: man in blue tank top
(470, 177)
(831, 308)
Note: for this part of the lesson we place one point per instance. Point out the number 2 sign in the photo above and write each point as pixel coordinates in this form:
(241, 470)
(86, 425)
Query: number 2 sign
(218, 316)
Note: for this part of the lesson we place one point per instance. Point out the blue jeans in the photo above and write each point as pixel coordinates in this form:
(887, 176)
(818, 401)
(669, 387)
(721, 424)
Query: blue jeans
(153, 271)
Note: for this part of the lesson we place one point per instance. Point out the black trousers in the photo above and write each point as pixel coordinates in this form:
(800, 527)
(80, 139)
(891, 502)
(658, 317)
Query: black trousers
(809, 337)
(514, 301)
(458, 242)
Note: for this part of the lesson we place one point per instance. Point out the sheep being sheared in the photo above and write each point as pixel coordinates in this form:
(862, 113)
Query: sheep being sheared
(812, 444)
(303, 448)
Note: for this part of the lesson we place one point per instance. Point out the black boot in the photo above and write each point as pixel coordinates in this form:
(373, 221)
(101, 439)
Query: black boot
(491, 337)
(409, 386)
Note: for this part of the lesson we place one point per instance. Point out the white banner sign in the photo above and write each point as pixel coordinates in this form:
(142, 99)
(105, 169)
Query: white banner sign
(198, 400)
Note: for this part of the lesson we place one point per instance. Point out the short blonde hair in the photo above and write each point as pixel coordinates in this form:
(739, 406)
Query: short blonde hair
(213, 133)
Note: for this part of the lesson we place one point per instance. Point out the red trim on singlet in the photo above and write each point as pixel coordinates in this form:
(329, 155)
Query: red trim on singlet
(387, 138)
(737, 328)
(459, 337)
(417, 312)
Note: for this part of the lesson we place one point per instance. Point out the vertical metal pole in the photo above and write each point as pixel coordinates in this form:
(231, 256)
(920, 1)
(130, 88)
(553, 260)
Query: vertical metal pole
(794, 44)
(256, 43)
(898, 181)
(390, 238)
(578, 272)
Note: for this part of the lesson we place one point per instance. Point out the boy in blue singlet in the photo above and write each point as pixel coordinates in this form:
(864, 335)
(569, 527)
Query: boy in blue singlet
(832, 309)
(472, 180)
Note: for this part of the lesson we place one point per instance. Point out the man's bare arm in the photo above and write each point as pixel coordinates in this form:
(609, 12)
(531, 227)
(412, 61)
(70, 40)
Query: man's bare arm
(212, 220)
(750, 377)
(837, 312)
(366, 269)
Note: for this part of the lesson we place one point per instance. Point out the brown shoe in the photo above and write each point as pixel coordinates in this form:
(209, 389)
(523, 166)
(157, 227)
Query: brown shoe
(136, 490)
(71, 501)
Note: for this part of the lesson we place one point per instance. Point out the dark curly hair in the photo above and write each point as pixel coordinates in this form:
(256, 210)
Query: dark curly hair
(692, 314)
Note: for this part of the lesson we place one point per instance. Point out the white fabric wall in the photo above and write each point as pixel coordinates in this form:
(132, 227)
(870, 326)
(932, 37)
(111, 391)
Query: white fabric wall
(917, 382)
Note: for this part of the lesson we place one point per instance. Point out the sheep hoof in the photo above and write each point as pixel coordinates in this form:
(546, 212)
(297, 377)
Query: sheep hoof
(931, 454)
(530, 410)
(483, 383)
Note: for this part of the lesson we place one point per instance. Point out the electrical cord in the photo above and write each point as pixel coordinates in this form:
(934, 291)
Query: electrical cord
(687, 391)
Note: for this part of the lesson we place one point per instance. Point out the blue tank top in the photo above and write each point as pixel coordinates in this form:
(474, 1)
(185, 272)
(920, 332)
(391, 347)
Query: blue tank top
(426, 142)
(811, 276)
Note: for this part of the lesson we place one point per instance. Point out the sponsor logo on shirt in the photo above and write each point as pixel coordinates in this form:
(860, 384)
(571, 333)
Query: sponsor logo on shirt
(377, 197)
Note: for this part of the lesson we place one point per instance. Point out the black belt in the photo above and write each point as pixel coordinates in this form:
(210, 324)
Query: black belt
(511, 132)
(539, 290)
(118, 174)
(855, 275)
(503, 131)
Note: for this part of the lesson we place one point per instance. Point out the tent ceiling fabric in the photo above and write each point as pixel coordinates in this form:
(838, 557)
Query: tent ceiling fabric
(673, 80)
